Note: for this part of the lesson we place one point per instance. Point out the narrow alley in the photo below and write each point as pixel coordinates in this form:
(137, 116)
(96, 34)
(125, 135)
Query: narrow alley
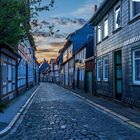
(56, 114)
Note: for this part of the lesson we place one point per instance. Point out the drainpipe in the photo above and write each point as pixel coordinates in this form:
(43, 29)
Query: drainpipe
(26, 75)
(0, 79)
(95, 59)
(74, 72)
(17, 75)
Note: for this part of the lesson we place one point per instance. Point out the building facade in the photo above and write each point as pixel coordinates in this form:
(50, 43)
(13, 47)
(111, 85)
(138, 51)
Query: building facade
(26, 66)
(118, 50)
(18, 70)
(8, 73)
(79, 78)
(68, 63)
(90, 67)
(79, 39)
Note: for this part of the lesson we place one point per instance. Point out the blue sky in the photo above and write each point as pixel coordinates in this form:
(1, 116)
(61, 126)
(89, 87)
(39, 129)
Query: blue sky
(67, 16)
(67, 8)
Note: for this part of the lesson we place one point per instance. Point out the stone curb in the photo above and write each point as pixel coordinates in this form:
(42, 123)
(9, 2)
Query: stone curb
(17, 116)
(106, 110)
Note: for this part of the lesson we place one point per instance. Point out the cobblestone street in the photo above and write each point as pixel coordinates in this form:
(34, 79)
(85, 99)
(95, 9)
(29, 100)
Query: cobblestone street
(56, 114)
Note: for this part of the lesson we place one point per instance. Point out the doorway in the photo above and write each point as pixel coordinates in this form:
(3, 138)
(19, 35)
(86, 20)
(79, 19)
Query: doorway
(118, 74)
(89, 82)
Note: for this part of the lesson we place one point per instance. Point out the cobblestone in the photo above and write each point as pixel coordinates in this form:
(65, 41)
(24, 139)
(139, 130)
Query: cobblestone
(56, 114)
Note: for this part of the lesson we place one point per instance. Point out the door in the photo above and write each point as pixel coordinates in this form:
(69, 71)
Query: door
(89, 82)
(78, 76)
(118, 75)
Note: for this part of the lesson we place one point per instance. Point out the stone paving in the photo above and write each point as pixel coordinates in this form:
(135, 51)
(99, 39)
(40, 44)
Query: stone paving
(56, 114)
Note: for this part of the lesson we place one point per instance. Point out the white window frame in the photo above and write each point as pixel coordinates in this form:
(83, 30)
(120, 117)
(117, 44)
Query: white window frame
(118, 5)
(99, 39)
(131, 11)
(97, 69)
(106, 30)
(134, 75)
(104, 65)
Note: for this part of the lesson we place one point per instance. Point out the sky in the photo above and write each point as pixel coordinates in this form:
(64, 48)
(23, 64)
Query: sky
(66, 16)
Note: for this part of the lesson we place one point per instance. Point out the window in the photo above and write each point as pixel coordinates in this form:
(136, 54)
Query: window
(105, 69)
(136, 67)
(134, 8)
(105, 28)
(99, 70)
(8, 75)
(117, 17)
(99, 33)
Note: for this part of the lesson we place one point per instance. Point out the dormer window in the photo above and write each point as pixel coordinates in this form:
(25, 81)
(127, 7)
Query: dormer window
(105, 27)
(134, 8)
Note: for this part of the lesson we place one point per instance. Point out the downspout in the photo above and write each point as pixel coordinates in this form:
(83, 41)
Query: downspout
(0, 79)
(74, 72)
(26, 75)
(95, 57)
(17, 76)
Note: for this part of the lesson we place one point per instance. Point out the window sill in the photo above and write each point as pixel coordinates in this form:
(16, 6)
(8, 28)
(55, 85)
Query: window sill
(98, 80)
(105, 81)
(117, 30)
(136, 83)
(134, 19)
(99, 43)
(105, 38)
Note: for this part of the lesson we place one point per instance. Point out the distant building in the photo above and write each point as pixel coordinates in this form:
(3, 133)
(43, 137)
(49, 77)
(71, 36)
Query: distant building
(53, 75)
(43, 68)
(117, 50)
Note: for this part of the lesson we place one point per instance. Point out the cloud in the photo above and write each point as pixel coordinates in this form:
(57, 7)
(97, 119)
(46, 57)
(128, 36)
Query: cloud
(48, 48)
(85, 11)
(67, 21)
(57, 44)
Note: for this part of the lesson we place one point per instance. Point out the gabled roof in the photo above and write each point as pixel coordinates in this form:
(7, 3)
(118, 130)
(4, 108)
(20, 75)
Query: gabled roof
(43, 67)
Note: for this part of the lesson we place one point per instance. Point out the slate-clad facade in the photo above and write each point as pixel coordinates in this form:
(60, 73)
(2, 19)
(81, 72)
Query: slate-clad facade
(117, 50)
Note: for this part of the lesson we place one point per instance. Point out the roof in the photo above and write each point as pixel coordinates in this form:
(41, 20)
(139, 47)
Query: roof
(102, 11)
(9, 51)
(43, 67)
(67, 44)
(81, 36)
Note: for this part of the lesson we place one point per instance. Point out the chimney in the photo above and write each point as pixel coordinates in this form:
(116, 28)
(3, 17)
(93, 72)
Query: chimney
(94, 8)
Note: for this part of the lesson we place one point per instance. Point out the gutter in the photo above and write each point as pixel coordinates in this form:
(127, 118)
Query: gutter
(102, 11)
